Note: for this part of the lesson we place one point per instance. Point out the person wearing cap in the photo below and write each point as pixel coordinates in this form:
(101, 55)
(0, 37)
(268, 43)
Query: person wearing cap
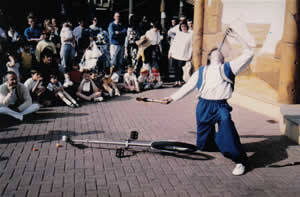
(155, 79)
(215, 84)
(143, 79)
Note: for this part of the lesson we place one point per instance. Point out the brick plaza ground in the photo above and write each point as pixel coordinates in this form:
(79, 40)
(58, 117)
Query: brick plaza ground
(93, 170)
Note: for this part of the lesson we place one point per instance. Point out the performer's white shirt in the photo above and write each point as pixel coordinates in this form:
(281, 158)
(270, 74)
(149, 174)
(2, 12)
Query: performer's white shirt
(214, 86)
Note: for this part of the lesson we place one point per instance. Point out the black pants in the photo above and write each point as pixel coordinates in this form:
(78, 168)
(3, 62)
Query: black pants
(178, 64)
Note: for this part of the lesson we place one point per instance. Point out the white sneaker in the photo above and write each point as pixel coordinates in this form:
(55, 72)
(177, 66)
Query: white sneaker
(98, 99)
(68, 83)
(239, 169)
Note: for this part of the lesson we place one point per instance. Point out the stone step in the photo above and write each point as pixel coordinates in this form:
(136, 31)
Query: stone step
(290, 121)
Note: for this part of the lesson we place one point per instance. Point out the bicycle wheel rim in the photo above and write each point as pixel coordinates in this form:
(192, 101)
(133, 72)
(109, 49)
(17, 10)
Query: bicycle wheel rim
(169, 146)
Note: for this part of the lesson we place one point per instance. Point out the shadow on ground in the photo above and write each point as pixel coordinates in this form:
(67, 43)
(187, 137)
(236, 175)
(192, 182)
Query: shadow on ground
(268, 151)
(54, 135)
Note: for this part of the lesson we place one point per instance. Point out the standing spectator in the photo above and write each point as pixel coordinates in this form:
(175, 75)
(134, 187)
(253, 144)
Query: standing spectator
(103, 44)
(33, 33)
(131, 48)
(77, 32)
(190, 25)
(94, 27)
(47, 66)
(171, 33)
(181, 51)
(45, 43)
(15, 98)
(154, 52)
(67, 52)
(55, 26)
(117, 34)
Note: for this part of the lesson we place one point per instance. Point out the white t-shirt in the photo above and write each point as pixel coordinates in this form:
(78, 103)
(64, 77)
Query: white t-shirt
(153, 36)
(66, 34)
(181, 48)
(30, 83)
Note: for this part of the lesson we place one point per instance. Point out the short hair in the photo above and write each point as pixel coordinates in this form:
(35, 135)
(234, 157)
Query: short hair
(46, 53)
(211, 51)
(10, 73)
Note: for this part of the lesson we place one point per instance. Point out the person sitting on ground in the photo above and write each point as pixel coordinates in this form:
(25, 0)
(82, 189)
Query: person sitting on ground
(56, 88)
(155, 78)
(15, 99)
(27, 59)
(45, 43)
(75, 76)
(87, 89)
(143, 79)
(130, 81)
(110, 82)
(36, 89)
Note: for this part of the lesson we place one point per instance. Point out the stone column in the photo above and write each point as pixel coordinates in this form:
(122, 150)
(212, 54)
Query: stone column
(198, 32)
(289, 57)
(212, 31)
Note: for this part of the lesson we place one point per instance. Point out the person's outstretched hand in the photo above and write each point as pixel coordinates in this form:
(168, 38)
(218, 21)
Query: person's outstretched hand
(167, 100)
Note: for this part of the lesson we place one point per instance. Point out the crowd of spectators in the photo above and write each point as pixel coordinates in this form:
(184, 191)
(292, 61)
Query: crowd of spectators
(54, 62)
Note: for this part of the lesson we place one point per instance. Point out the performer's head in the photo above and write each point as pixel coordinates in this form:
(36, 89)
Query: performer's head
(215, 56)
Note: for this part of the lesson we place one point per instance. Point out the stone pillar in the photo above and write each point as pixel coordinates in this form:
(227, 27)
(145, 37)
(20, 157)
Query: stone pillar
(289, 56)
(198, 32)
(163, 15)
(212, 31)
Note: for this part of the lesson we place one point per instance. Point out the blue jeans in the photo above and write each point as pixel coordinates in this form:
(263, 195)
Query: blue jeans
(209, 113)
(67, 54)
(116, 55)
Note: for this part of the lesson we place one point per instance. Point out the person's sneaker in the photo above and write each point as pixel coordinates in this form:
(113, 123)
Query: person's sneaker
(98, 99)
(77, 105)
(71, 105)
(157, 85)
(147, 86)
(239, 169)
(68, 83)
(117, 94)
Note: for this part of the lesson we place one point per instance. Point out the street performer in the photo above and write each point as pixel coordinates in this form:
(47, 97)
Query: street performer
(215, 84)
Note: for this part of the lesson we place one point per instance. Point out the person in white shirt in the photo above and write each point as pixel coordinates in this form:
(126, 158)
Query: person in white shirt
(13, 35)
(130, 81)
(215, 83)
(190, 25)
(153, 52)
(67, 52)
(181, 51)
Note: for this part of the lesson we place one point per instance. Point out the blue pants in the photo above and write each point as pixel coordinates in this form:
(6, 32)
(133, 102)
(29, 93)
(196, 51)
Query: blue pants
(208, 114)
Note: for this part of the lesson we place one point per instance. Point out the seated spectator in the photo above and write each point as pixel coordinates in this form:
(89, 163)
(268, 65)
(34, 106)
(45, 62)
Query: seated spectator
(155, 78)
(45, 43)
(75, 74)
(15, 99)
(110, 82)
(130, 81)
(36, 89)
(87, 89)
(27, 60)
(144, 79)
(56, 88)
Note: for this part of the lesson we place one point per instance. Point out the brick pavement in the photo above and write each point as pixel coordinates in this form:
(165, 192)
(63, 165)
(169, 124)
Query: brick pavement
(93, 170)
